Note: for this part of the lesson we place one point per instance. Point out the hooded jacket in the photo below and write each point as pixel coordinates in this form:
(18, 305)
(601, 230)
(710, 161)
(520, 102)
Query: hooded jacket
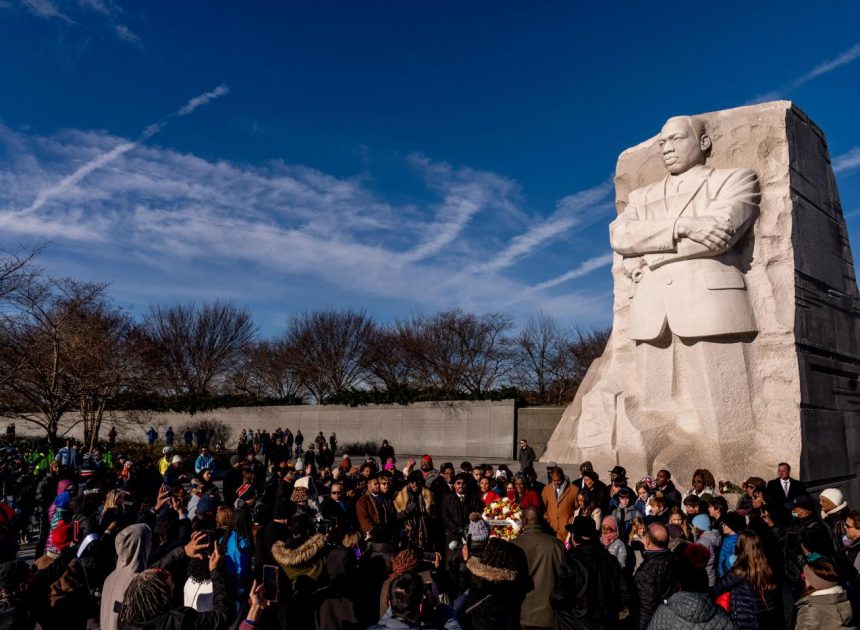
(132, 550)
(690, 611)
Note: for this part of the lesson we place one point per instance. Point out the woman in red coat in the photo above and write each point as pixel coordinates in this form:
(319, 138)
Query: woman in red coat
(487, 495)
(523, 496)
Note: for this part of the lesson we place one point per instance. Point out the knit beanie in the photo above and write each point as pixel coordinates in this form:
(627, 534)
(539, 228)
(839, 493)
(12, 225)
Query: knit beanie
(479, 530)
(836, 498)
(814, 581)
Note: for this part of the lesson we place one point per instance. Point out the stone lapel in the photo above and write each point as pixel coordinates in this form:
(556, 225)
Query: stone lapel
(691, 185)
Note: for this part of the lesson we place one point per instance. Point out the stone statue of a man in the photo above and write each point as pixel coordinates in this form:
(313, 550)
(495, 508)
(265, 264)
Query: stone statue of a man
(689, 312)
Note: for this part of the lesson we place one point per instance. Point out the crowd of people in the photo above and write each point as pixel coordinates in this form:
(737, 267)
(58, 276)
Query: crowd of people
(296, 538)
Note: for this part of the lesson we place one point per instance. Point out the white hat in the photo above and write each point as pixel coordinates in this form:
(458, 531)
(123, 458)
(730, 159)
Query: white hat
(166, 450)
(177, 459)
(835, 496)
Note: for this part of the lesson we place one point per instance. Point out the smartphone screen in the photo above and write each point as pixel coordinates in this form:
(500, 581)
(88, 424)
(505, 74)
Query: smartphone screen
(270, 582)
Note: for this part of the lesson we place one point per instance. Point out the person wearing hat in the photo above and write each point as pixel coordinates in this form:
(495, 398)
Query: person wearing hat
(588, 590)
(833, 511)
(233, 478)
(164, 462)
(706, 536)
(745, 504)
(173, 474)
(732, 524)
(416, 508)
(373, 508)
(804, 528)
(494, 599)
(617, 481)
(824, 604)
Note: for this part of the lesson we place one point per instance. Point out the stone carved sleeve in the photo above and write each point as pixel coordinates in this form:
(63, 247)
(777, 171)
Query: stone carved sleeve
(632, 233)
(738, 197)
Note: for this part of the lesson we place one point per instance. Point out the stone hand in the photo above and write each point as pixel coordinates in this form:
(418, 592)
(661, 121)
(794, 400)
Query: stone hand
(713, 232)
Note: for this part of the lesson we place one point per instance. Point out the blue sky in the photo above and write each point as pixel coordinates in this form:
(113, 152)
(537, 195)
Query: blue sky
(392, 156)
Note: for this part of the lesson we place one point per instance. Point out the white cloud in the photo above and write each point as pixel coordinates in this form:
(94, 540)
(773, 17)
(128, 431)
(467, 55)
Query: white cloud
(47, 10)
(574, 210)
(126, 34)
(583, 269)
(68, 182)
(847, 161)
(167, 210)
(201, 100)
(843, 58)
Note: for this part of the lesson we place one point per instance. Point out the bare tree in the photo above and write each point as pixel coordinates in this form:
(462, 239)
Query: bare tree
(328, 348)
(267, 371)
(545, 368)
(454, 352)
(386, 360)
(192, 351)
(587, 345)
(108, 361)
(41, 340)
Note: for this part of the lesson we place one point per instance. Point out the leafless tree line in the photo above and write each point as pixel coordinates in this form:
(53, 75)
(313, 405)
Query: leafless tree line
(66, 350)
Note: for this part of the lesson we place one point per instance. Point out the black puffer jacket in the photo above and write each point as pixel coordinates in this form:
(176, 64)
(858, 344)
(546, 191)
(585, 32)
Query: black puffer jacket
(746, 608)
(588, 592)
(690, 611)
(655, 581)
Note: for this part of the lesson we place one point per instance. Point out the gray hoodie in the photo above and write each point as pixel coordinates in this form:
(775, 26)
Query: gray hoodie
(132, 550)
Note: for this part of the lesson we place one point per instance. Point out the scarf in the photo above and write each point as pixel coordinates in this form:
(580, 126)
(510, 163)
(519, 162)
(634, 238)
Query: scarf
(611, 537)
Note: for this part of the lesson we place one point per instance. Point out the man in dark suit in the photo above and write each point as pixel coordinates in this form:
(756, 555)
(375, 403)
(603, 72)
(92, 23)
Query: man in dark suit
(784, 489)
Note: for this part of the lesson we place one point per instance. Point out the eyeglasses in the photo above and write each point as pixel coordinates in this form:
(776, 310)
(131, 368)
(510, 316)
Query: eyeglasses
(606, 529)
(335, 492)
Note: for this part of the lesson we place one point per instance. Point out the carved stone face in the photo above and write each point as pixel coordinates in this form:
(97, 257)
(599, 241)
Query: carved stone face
(680, 146)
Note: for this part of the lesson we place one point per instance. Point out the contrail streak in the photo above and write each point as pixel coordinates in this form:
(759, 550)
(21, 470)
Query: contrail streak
(65, 184)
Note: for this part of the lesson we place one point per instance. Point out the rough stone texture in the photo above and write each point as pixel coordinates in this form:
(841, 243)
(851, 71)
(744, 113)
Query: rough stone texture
(468, 429)
(803, 364)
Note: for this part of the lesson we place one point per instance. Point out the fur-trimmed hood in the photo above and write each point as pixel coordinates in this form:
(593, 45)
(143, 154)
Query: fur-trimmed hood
(488, 573)
(402, 498)
(305, 554)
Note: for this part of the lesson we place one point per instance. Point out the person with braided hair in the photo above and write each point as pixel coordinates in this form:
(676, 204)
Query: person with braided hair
(145, 598)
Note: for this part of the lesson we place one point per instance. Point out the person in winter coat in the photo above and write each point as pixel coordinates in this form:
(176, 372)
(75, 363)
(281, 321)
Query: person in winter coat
(612, 542)
(416, 509)
(824, 605)
(545, 555)
(707, 537)
(750, 587)
(690, 611)
(526, 455)
(494, 598)
(656, 578)
(144, 604)
(692, 607)
(732, 523)
(559, 500)
(409, 607)
(524, 496)
(132, 550)
(588, 592)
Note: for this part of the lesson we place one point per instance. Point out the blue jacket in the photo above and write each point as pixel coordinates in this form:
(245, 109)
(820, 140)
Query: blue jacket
(727, 554)
(238, 554)
(204, 461)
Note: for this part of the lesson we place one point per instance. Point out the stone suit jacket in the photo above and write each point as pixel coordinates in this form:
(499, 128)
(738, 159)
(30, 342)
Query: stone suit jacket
(680, 283)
